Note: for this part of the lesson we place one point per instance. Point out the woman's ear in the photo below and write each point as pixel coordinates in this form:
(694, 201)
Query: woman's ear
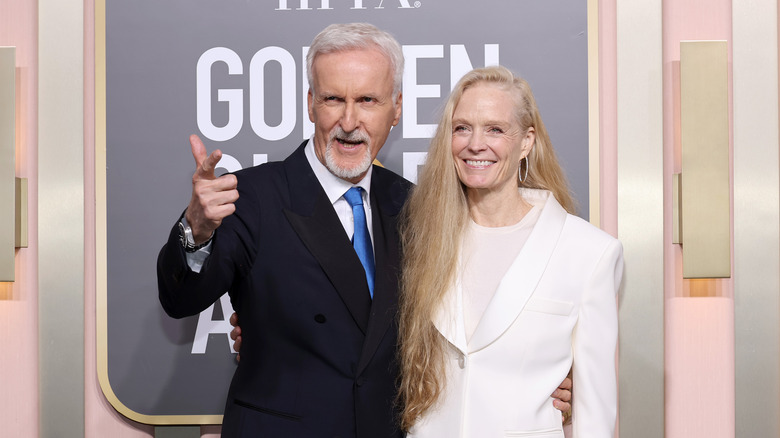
(528, 141)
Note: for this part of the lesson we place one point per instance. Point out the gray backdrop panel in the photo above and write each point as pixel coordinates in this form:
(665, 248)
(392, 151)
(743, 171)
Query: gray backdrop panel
(152, 50)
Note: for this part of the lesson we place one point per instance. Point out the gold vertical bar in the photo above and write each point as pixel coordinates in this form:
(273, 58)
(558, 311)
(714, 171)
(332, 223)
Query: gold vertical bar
(705, 159)
(7, 161)
(20, 234)
(676, 208)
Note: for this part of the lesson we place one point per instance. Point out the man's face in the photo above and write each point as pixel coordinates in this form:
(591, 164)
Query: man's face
(352, 109)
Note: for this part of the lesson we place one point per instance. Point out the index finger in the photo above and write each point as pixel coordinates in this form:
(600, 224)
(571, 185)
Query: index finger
(205, 164)
(198, 150)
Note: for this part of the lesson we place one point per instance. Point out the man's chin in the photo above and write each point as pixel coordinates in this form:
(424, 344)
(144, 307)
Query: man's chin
(351, 169)
(348, 173)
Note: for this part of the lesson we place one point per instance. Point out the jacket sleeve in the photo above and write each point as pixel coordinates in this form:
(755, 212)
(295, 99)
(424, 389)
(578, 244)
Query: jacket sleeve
(183, 292)
(594, 344)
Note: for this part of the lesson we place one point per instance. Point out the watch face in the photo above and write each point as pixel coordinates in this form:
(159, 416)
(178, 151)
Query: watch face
(182, 235)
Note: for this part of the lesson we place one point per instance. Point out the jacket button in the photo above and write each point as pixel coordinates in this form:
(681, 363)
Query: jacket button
(320, 318)
(360, 381)
(461, 361)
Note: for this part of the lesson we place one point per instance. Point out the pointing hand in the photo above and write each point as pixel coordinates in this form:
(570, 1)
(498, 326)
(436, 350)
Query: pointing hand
(212, 198)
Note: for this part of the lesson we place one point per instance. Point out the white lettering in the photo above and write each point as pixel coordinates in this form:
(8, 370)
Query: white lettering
(413, 91)
(303, 5)
(258, 159)
(308, 125)
(229, 163)
(404, 5)
(233, 97)
(259, 82)
(411, 163)
(206, 326)
(257, 86)
(460, 64)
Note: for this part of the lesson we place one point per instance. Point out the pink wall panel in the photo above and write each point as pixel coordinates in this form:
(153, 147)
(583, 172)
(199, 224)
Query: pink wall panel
(18, 301)
(699, 328)
(700, 368)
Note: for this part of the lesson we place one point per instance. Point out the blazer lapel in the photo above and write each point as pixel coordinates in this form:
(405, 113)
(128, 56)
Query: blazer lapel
(315, 221)
(387, 198)
(523, 275)
(449, 319)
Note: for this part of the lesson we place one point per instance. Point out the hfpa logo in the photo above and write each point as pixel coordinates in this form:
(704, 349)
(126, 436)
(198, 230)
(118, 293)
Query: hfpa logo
(303, 5)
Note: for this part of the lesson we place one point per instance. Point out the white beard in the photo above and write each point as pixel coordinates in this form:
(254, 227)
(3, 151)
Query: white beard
(345, 172)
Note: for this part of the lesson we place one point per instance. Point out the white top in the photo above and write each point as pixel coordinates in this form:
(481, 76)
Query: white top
(487, 254)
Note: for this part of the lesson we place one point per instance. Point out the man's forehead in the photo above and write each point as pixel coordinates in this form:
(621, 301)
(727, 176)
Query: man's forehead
(359, 66)
(369, 55)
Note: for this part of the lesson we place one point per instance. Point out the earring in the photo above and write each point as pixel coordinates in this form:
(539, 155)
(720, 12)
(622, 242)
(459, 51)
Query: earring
(524, 175)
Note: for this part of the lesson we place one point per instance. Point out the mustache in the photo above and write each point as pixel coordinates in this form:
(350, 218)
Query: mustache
(356, 136)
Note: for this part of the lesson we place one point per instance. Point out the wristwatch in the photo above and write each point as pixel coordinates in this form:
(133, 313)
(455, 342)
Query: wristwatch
(186, 239)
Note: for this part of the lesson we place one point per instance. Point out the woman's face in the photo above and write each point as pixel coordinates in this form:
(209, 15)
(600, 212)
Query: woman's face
(487, 140)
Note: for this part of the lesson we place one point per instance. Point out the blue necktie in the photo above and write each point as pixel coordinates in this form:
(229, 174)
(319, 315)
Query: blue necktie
(361, 240)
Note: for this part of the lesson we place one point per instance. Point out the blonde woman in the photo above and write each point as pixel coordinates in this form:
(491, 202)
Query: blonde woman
(503, 289)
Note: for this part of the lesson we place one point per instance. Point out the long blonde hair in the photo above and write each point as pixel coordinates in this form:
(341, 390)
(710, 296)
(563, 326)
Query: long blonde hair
(434, 219)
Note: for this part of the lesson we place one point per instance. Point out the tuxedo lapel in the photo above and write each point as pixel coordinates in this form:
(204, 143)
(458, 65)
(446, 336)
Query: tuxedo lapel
(315, 221)
(523, 275)
(386, 202)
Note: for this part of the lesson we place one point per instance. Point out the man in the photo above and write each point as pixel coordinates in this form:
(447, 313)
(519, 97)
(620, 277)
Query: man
(317, 319)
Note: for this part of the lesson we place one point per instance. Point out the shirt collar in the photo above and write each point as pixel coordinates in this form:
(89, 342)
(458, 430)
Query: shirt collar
(334, 186)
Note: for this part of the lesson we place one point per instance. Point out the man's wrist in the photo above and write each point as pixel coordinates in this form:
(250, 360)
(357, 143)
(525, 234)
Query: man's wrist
(186, 237)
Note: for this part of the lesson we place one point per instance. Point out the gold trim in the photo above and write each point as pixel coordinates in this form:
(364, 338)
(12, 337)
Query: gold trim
(101, 242)
(20, 230)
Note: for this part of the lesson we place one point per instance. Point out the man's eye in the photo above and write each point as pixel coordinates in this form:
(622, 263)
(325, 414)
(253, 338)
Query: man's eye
(367, 99)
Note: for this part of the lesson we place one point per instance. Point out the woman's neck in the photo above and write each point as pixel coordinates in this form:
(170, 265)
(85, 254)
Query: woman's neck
(497, 209)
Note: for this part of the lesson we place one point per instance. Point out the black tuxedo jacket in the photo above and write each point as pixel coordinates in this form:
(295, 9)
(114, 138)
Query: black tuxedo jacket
(318, 356)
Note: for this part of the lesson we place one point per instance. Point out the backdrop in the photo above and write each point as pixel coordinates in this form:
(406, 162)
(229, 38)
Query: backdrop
(233, 71)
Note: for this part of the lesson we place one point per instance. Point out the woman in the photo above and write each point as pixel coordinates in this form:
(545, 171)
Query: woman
(503, 290)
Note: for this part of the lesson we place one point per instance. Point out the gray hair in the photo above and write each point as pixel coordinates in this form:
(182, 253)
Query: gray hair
(339, 37)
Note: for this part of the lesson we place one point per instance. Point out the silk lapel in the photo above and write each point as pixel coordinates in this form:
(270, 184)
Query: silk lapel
(523, 275)
(387, 198)
(312, 217)
(449, 318)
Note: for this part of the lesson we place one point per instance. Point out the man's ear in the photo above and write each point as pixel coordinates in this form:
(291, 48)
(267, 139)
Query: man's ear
(398, 105)
(310, 101)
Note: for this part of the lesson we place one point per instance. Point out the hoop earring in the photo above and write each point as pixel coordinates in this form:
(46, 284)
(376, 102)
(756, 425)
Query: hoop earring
(524, 175)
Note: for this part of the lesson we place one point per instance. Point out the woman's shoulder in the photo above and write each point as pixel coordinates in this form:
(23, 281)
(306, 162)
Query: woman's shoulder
(581, 230)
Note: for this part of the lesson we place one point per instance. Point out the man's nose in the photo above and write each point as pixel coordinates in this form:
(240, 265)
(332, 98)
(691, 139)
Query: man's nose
(350, 118)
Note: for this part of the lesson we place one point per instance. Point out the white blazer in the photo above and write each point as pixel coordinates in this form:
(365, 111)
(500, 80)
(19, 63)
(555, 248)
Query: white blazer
(555, 308)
